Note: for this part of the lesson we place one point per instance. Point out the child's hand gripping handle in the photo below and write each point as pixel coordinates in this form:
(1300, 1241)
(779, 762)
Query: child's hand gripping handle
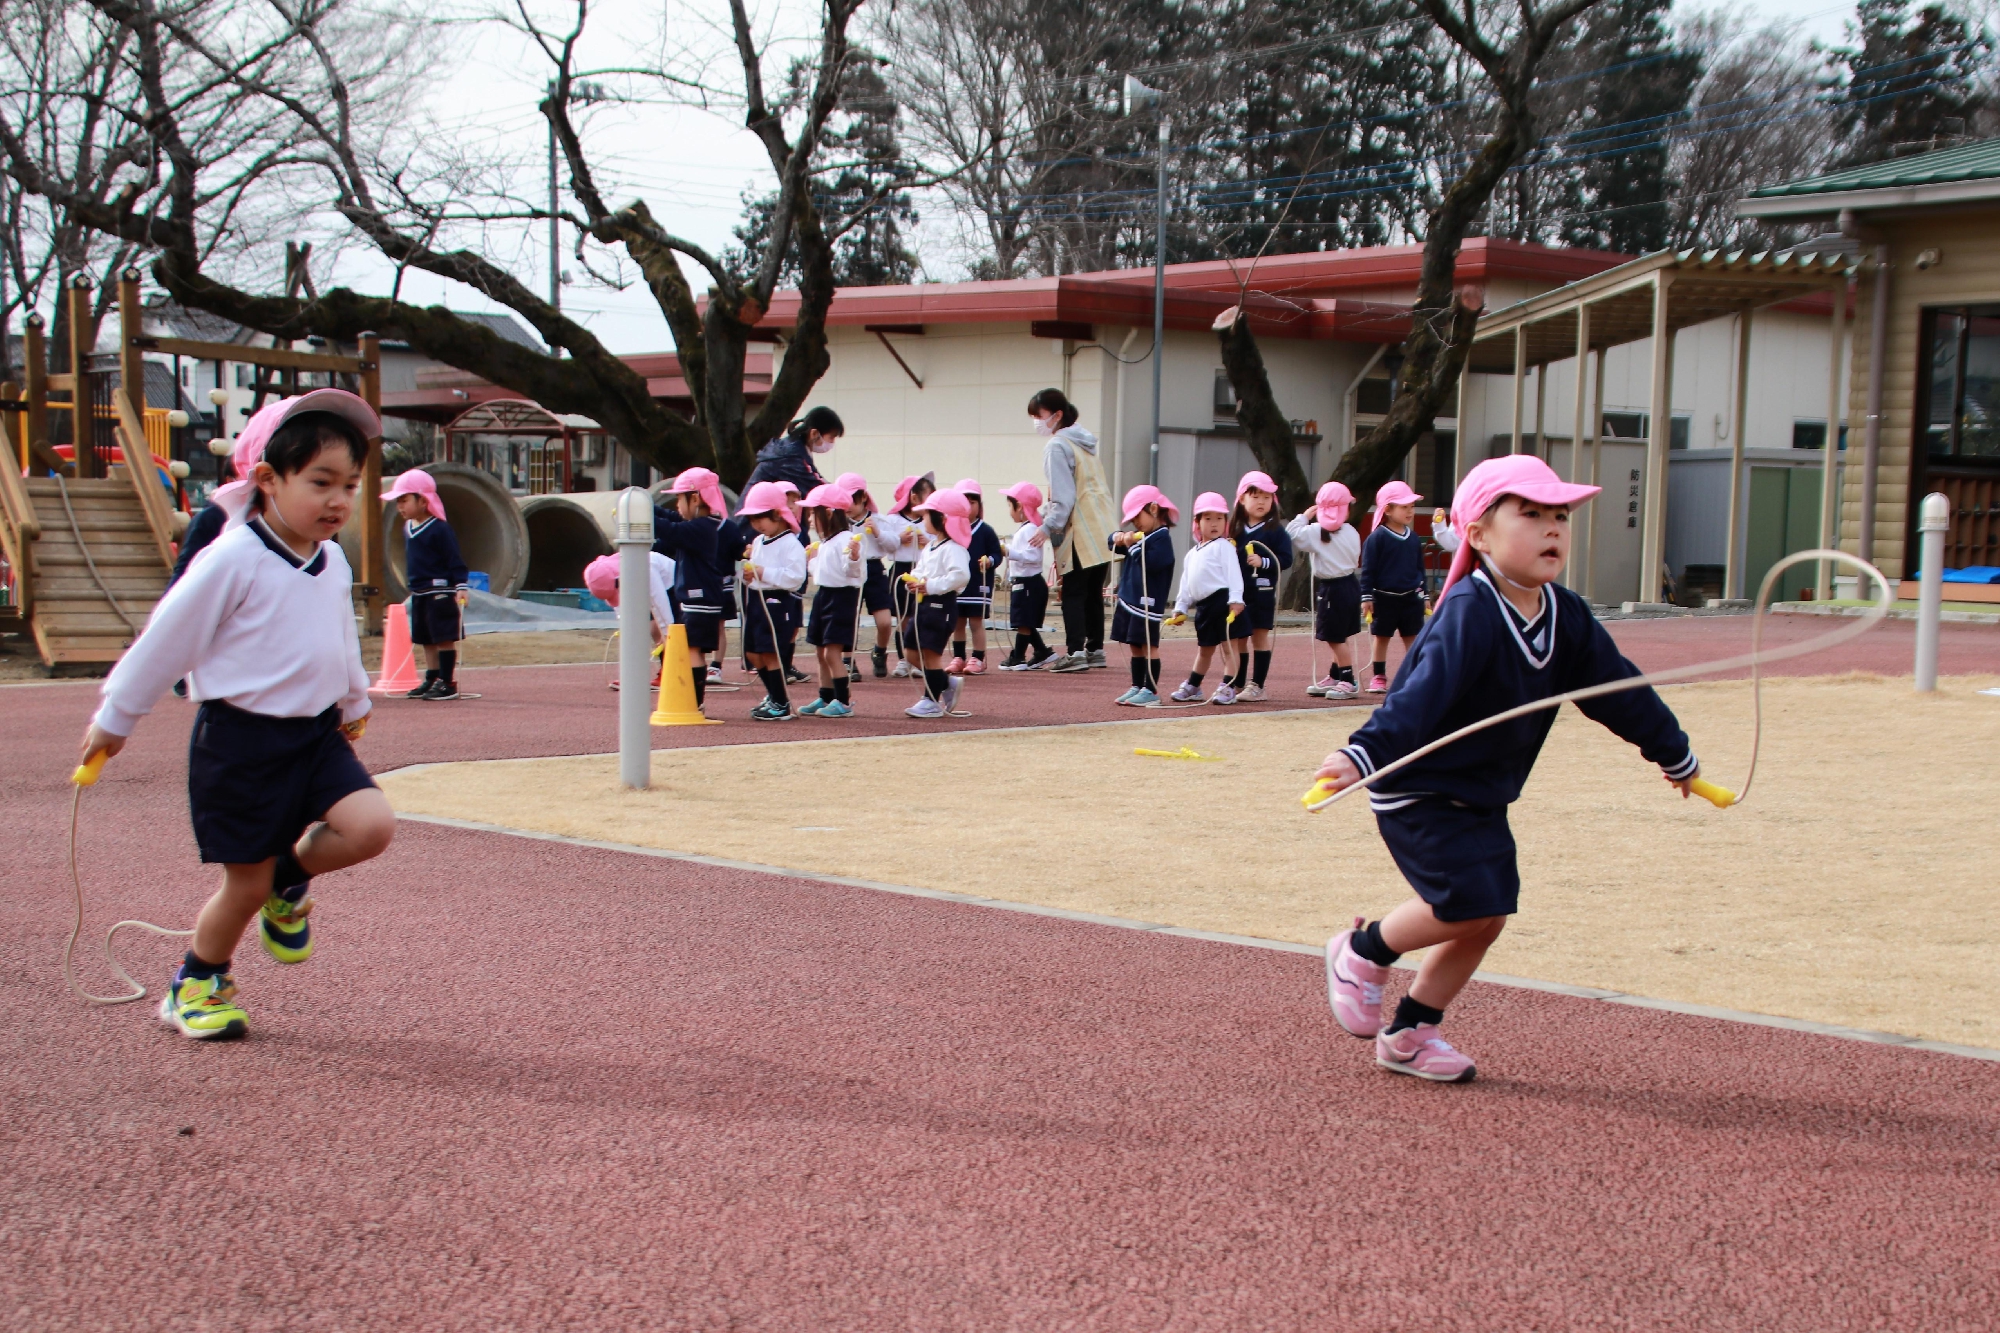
(90, 770)
(1323, 790)
(1718, 796)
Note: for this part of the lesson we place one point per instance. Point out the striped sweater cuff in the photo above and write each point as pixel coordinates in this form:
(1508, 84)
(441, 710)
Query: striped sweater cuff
(1359, 758)
(1683, 770)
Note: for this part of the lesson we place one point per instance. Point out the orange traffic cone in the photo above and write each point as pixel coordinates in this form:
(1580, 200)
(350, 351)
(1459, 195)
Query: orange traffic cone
(676, 707)
(399, 665)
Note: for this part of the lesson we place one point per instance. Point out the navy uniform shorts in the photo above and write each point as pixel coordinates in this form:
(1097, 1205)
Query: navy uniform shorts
(1337, 609)
(1397, 613)
(1129, 627)
(255, 783)
(435, 617)
(1260, 611)
(1459, 858)
(704, 629)
(834, 611)
(929, 630)
(1027, 602)
(1211, 619)
(876, 594)
(769, 629)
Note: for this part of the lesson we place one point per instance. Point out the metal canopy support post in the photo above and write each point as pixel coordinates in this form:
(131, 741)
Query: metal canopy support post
(1829, 463)
(1659, 428)
(1732, 578)
(1871, 439)
(1596, 467)
(1520, 381)
(1159, 300)
(1541, 449)
(1576, 428)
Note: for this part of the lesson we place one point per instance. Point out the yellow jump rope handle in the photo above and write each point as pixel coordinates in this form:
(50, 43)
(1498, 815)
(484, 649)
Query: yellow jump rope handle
(1320, 791)
(1720, 797)
(88, 772)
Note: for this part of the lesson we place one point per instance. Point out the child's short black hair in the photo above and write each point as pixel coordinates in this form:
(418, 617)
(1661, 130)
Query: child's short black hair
(295, 444)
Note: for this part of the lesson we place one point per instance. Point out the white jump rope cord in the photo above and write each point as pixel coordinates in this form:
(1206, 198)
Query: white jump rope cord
(138, 991)
(903, 637)
(1885, 598)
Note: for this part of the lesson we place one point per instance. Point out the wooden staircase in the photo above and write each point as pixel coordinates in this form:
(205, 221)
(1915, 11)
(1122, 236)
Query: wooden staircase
(75, 616)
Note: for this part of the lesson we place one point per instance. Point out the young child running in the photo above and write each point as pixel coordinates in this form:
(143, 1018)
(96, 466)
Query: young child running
(262, 628)
(774, 571)
(1505, 634)
(600, 576)
(1027, 584)
(976, 602)
(901, 533)
(437, 578)
(1212, 588)
(1392, 578)
(836, 605)
(1334, 548)
(1143, 585)
(941, 571)
(689, 533)
(1262, 548)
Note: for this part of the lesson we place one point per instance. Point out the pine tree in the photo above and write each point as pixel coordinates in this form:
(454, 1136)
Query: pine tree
(1907, 84)
(1616, 158)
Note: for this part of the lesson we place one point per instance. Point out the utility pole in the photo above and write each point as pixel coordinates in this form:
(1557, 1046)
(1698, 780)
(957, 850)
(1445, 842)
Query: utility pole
(1138, 97)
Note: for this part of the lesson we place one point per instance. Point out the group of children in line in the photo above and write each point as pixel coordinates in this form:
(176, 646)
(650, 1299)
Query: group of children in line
(261, 628)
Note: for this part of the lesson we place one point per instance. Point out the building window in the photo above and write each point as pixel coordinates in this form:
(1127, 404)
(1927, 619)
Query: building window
(184, 377)
(1632, 426)
(243, 376)
(1964, 388)
(1225, 397)
(1812, 435)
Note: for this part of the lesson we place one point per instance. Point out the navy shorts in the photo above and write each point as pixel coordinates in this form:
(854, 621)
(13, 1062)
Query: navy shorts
(1459, 859)
(704, 630)
(435, 618)
(1027, 602)
(901, 599)
(759, 629)
(1337, 608)
(1398, 613)
(255, 783)
(1211, 618)
(876, 593)
(832, 618)
(1260, 611)
(975, 603)
(1129, 627)
(929, 630)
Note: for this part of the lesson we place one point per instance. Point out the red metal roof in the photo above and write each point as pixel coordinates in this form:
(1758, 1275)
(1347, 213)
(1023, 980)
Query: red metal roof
(1291, 295)
(443, 392)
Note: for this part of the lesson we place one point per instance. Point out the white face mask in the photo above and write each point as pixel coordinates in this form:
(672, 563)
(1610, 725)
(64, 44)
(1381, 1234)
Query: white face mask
(1045, 425)
(820, 444)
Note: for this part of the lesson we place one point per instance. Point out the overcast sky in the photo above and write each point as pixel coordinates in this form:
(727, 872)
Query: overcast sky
(690, 166)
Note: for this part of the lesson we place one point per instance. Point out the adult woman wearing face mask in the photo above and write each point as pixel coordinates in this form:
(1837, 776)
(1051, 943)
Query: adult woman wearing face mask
(1079, 518)
(789, 457)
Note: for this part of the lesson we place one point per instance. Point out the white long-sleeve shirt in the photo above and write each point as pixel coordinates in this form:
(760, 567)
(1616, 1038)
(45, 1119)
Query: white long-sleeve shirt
(837, 563)
(660, 578)
(1446, 536)
(897, 539)
(944, 567)
(1334, 558)
(253, 625)
(780, 562)
(1024, 558)
(1211, 567)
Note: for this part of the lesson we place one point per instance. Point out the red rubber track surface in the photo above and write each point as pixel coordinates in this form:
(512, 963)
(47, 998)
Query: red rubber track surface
(528, 1086)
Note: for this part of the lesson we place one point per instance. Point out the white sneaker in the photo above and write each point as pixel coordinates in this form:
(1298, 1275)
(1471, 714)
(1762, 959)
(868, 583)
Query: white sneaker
(924, 708)
(952, 686)
(1319, 687)
(1188, 693)
(1251, 694)
(1342, 689)
(902, 670)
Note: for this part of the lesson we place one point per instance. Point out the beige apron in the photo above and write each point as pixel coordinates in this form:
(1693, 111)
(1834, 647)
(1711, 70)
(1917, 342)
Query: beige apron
(1093, 520)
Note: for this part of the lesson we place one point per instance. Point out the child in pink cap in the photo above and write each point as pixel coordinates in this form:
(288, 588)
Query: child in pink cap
(438, 581)
(837, 573)
(1263, 550)
(1392, 577)
(1143, 585)
(1027, 579)
(774, 569)
(1333, 549)
(262, 629)
(688, 530)
(900, 532)
(984, 551)
(600, 576)
(1212, 589)
(1505, 634)
(941, 571)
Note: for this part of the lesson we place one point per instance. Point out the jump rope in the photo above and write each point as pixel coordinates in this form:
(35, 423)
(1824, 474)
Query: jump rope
(1322, 793)
(914, 604)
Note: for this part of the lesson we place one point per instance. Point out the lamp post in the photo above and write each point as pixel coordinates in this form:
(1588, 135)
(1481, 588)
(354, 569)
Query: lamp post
(1138, 97)
(635, 642)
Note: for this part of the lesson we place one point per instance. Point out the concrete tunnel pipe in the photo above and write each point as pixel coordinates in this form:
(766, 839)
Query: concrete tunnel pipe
(492, 535)
(565, 533)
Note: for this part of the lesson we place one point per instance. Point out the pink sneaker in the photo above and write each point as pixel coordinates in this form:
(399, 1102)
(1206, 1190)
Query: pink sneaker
(1378, 684)
(976, 667)
(1354, 985)
(955, 667)
(1319, 687)
(1420, 1051)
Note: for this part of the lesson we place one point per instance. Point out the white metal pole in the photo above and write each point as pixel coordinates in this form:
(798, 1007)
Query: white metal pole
(1829, 469)
(1159, 300)
(1739, 424)
(635, 639)
(1932, 523)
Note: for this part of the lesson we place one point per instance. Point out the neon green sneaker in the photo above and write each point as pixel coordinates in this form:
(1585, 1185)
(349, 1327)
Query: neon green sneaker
(283, 928)
(204, 1008)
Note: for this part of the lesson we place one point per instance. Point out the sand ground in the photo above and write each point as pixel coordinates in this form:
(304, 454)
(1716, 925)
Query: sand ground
(1855, 886)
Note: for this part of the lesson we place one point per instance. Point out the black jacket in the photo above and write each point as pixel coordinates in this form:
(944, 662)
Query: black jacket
(786, 459)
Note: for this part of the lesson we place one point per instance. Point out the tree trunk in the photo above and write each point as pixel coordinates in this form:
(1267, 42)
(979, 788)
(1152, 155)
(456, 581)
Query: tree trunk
(1265, 426)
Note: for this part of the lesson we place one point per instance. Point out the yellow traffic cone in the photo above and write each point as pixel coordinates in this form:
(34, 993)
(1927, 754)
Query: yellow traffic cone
(676, 706)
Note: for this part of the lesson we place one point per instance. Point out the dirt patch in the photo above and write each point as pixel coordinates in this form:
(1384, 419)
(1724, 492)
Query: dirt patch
(1855, 886)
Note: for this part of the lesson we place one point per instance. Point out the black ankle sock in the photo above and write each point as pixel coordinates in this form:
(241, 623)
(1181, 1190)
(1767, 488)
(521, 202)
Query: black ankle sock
(447, 665)
(1344, 673)
(1194, 679)
(1381, 668)
(430, 677)
(774, 685)
(1368, 943)
(840, 694)
(1260, 665)
(958, 648)
(1021, 642)
(936, 682)
(979, 654)
(1410, 1013)
(785, 651)
(1138, 672)
(1242, 672)
(288, 877)
(700, 685)
(1152, 670)
(192, 966)
(826, 694)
